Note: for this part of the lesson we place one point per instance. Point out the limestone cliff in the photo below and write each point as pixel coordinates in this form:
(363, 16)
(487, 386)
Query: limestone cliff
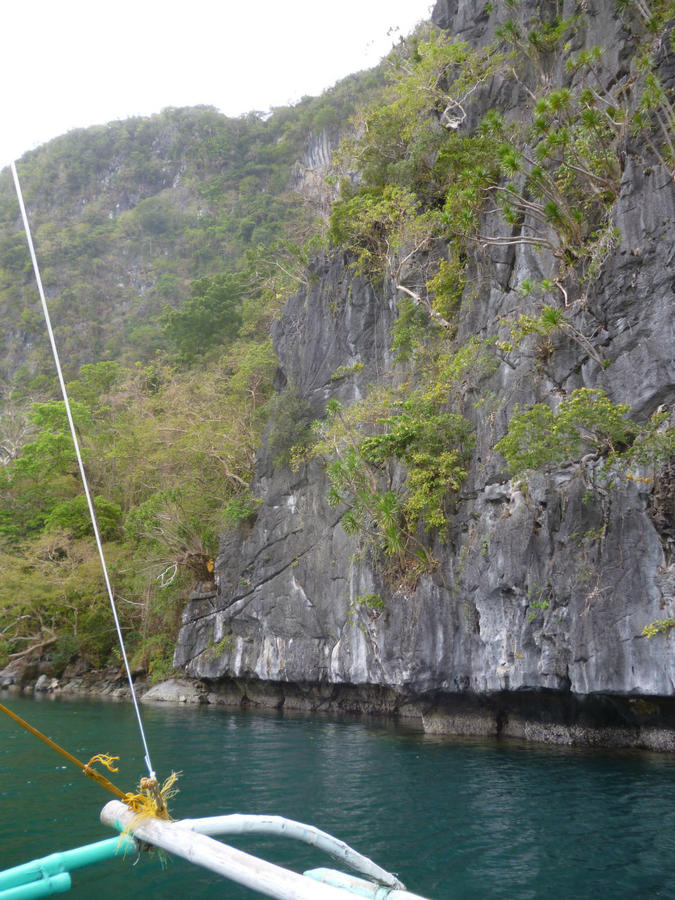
(532, 622)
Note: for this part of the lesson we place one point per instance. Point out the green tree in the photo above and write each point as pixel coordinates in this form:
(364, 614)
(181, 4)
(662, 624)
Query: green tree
(44, 472)
(210, 316)
(587, 422)
(73, 517)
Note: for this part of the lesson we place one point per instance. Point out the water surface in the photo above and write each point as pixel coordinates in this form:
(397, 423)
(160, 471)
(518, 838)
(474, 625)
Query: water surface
(465, 819)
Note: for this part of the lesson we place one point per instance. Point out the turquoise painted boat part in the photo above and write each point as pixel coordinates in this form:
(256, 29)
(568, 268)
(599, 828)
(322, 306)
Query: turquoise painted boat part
(44, 887)
(50, 874)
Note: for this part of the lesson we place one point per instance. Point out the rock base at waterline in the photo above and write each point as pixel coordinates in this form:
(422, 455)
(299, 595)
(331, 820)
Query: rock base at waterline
(540, 716)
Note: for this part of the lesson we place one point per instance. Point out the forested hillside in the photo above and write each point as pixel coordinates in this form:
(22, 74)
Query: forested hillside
(128, 215)
(167, 247)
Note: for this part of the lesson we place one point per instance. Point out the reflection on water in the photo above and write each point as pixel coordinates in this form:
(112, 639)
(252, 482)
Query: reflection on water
(456, 819)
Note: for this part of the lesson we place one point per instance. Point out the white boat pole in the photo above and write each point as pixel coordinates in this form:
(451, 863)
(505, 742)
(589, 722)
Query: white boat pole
(80, 463)
(357, 887)
(308, 834)
(257, 874)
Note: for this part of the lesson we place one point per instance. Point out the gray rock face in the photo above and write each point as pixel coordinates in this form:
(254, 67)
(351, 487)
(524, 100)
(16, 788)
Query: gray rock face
(334, 338)
(543, 589)
(310, 173)
(173, 691)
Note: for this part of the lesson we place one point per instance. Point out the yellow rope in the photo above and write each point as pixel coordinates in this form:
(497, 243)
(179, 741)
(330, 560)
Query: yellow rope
(90, 773)
(149, 800)
(105, 759)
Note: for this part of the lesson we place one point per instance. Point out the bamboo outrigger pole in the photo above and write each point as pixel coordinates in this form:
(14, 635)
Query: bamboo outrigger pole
(190, 839)
(279, 826)
(258, 874)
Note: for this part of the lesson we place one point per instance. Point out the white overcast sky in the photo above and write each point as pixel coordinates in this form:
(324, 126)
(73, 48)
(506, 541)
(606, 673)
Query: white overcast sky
(73, 63)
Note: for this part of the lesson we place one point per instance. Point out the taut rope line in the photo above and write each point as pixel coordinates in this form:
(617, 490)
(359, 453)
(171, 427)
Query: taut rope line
(83, 475)
(85, 767)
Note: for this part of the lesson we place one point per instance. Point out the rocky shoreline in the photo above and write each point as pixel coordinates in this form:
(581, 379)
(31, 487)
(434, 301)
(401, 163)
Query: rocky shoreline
(549, 717)
(76, 681)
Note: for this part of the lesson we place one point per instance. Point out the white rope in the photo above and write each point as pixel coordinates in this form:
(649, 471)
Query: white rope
(83, 475)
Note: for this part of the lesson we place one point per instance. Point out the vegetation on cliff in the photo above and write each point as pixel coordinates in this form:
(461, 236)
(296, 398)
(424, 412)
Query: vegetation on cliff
(170, 245)
(437, 188)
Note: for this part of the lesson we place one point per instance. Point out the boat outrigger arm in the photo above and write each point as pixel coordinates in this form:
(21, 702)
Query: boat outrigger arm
(51, 874)
(192, 840)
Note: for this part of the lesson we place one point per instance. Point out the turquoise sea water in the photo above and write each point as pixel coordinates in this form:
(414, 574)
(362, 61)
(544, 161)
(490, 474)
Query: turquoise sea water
(463, 819)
